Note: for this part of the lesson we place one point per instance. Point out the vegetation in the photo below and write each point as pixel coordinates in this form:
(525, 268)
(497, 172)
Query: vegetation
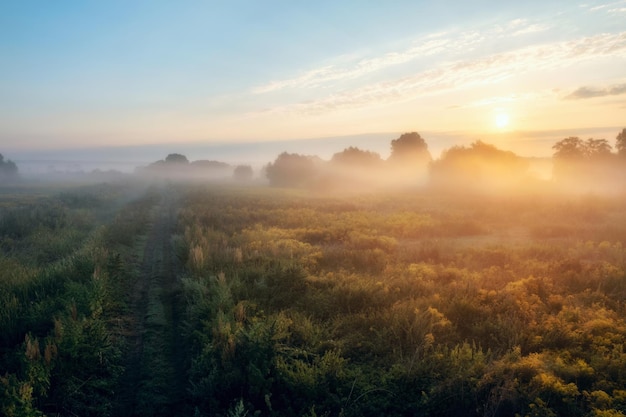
(243, 173)
(200, 299)
(404, 304)
(62, 286)
(8, 169)
(291, 170)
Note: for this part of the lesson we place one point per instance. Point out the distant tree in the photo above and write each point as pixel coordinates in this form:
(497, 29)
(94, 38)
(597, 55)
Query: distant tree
(7, 168)
(587, 163)
(597, 148)
(620, 143)
(569, 148)
(243, 173)
(480, 165)
(290, 169)
(355, 157)
(176, 158)
(574, 148)
(409, 148)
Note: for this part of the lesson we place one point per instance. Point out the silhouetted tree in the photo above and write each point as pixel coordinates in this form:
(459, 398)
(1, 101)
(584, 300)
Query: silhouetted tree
(409, 160)
(620, 143)
(243, 173)
(569, 148)
(176, 158)
(409, 148)
(7, 168)
(355, 157)
(583, 163)
(480, 165)
(290, 169)
(574, 148)
(597, 148)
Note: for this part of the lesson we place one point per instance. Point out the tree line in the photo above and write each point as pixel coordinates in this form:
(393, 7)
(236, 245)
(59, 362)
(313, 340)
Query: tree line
(479, 165)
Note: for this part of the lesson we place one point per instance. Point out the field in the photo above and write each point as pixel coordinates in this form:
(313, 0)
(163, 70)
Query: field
(207, 300)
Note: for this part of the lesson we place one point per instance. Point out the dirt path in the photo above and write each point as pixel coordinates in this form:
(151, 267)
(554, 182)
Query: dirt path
(154, 383)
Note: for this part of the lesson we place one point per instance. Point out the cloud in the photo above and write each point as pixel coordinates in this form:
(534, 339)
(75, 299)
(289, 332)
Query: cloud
(466, 73)
(316, 77)
(504, 100)
(608, 7)
(590, 92)
(429, 45)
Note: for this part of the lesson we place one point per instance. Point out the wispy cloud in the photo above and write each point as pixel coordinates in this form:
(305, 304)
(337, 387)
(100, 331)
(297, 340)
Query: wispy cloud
(467, 73)
(608, 7)
(504, 100)
(426, 46)
(592, 92)
(318, 76)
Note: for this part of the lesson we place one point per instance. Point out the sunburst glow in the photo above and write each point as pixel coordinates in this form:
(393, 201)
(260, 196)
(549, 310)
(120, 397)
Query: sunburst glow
(502, 120)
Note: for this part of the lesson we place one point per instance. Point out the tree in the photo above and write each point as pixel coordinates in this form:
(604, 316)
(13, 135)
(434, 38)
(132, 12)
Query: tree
(243, 173)
(176, 158)
(574, 148)
(7, 168)
(478, 166)
(584, 163)
(355, 157)
(620, 143)
(597, 148)
(569, 148)
(409, 148)
(290, 169)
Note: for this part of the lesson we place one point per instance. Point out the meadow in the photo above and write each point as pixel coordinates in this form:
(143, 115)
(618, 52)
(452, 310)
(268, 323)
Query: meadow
(213, 300)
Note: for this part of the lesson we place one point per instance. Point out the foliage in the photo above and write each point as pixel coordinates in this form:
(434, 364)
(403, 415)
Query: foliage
(8, 168)
(396, 303)
(588, 163)
(243, 173)
(60, 353)
(355, 157)
(404, 305)
(176, 158)
(478, 167)
(409, 148)
(290, 170)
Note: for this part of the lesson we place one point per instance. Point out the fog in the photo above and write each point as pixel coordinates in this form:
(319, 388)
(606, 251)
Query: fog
(350, 164)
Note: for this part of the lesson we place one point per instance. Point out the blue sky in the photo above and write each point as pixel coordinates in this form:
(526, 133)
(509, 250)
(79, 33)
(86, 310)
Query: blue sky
(115, 73)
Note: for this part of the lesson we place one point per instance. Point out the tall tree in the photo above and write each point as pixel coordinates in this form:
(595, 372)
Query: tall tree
(409, 148)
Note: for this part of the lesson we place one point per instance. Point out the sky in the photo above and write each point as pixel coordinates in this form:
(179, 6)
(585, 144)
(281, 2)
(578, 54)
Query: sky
(83, 74)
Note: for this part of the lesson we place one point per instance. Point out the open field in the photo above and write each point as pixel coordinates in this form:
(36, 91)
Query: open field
(210, 300)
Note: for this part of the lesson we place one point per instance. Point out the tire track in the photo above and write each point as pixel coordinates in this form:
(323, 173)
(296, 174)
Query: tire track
(155, 379)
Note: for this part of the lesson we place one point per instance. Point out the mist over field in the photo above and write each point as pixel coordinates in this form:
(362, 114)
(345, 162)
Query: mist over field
(534, 144)
(312, 209)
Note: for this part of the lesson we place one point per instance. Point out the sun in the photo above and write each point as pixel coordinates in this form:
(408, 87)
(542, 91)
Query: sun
(502, 120)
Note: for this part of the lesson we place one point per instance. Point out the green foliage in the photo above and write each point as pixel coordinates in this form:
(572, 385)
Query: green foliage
(60, 353)
(391, 304)
(404, 305)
